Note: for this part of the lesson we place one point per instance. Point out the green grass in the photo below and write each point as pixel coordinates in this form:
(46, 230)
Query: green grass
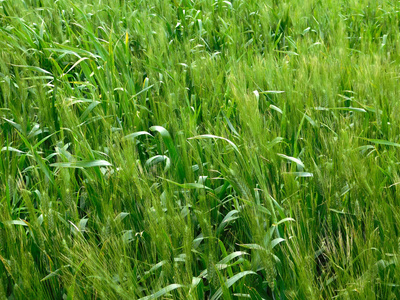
(199, 149)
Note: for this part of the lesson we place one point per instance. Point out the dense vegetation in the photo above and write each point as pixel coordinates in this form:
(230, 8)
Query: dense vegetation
(195, 149)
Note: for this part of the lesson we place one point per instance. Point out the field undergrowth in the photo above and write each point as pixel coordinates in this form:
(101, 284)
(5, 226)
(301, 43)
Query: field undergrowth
(199, 149)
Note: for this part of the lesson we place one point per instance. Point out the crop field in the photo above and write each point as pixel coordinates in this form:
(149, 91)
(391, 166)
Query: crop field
(199, 149)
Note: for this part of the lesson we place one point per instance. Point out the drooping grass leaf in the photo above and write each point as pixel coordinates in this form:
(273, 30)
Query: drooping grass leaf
(231, 281)
(173, 153)
(210, 136)
(163, 291)
(16, 222)
(382, 142)
(136, 134)
(293, 159)
(82, 164)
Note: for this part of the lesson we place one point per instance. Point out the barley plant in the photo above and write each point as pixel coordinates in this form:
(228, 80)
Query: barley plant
(199, 149)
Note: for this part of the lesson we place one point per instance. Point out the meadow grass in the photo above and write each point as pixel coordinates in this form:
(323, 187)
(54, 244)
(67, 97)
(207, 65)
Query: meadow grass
(199, 149)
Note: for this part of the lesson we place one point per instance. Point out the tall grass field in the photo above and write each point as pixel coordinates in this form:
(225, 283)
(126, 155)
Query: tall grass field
(199, 149)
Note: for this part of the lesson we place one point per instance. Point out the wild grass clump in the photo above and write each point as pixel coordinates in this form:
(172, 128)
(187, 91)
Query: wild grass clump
(199, 149)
